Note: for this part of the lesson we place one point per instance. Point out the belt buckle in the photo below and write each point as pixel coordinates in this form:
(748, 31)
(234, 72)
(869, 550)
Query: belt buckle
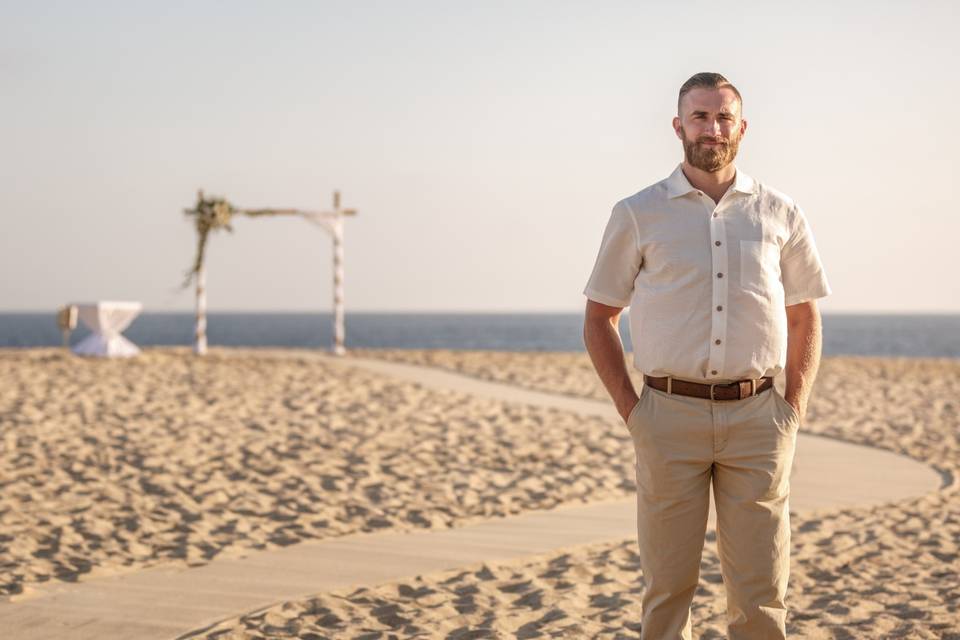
(753, 388)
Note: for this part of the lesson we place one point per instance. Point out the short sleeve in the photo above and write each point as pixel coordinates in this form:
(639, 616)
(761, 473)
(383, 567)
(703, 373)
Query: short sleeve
(618, 260)
(800, 266)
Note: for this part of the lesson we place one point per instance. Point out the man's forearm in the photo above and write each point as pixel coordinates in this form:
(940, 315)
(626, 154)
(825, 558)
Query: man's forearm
(804, 340)
(606, 352)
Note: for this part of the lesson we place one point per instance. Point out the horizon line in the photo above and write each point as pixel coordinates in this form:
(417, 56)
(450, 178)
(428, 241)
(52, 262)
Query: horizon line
(459, 312)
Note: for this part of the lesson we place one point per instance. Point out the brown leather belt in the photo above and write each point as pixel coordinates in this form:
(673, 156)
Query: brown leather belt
(736, 390)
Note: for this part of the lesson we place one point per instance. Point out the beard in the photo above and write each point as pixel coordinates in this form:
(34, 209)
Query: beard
(706, 158)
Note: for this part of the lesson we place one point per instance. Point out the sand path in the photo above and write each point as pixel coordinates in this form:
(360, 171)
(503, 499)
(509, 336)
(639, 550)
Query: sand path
(170, 603)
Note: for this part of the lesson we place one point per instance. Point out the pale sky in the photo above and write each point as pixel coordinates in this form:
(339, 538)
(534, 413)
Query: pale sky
(483, 144)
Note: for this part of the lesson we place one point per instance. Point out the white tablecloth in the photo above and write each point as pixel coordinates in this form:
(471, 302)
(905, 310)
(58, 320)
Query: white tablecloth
(106, 321)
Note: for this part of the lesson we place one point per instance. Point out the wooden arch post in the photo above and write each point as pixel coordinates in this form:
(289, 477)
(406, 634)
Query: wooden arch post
(332, 221)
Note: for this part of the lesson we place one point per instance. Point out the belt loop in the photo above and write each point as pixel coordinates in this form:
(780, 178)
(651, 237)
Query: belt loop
(753, 386)
(711, 391)
(669, 384)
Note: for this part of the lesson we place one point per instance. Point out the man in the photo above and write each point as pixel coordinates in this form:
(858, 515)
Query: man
(721, 275)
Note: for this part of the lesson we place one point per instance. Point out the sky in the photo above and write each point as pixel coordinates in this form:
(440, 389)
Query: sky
(482, 144)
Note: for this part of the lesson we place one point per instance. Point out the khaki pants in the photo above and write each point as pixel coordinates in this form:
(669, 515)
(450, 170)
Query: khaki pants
(745, 447)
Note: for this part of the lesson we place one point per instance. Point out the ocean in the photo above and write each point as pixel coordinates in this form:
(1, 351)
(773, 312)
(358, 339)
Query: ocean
(843, 334)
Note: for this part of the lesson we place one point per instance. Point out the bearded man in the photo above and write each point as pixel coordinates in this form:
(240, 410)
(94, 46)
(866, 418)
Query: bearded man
(721, 275)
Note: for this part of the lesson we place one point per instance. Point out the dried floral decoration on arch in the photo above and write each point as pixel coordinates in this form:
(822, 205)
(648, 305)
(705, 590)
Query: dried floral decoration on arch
(212, 213)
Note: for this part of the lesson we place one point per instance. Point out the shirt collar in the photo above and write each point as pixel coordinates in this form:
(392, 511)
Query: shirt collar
(678, 185)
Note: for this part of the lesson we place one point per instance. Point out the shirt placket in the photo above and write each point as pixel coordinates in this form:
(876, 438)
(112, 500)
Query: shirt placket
(721, 286)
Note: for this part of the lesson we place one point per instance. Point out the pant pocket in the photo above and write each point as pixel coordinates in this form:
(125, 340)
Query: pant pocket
(787, 407)
(632, 416)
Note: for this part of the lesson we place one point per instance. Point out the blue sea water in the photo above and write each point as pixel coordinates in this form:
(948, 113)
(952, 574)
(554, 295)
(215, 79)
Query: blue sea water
(843, 334)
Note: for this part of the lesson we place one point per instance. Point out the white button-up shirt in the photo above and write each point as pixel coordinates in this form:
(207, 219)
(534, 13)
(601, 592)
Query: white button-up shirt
(707, 283)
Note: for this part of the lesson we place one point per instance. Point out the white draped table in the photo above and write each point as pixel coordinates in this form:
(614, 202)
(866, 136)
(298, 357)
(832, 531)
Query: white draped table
(106, 321)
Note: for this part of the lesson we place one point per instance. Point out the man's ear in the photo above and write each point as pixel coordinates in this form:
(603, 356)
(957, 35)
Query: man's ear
(676, 127)
(743, 127)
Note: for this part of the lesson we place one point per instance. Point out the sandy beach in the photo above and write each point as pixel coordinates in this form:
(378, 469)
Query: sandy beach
(117, 465)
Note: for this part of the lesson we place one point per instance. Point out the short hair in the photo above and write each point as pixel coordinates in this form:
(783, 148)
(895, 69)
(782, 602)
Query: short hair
(707, 80)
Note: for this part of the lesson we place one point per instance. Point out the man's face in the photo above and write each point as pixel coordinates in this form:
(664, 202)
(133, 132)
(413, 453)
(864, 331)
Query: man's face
(710, 127)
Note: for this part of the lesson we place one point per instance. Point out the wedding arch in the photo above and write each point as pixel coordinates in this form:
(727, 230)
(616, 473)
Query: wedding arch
(213, 213)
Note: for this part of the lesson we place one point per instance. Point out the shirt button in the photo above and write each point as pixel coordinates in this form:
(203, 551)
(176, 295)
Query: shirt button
(714, 372)
(717, 341)
(719, 307)
(719, 275)
(717, 243)
(699, 193)
(714, 215)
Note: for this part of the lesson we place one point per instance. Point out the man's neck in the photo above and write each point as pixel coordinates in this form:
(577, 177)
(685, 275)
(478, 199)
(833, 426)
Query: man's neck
(713, 184)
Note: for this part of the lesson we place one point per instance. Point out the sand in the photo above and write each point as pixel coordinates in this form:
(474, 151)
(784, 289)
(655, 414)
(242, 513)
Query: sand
(122, 464)
(117, 465)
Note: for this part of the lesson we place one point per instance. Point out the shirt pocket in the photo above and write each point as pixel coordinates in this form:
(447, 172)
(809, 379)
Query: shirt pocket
(757, 265)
